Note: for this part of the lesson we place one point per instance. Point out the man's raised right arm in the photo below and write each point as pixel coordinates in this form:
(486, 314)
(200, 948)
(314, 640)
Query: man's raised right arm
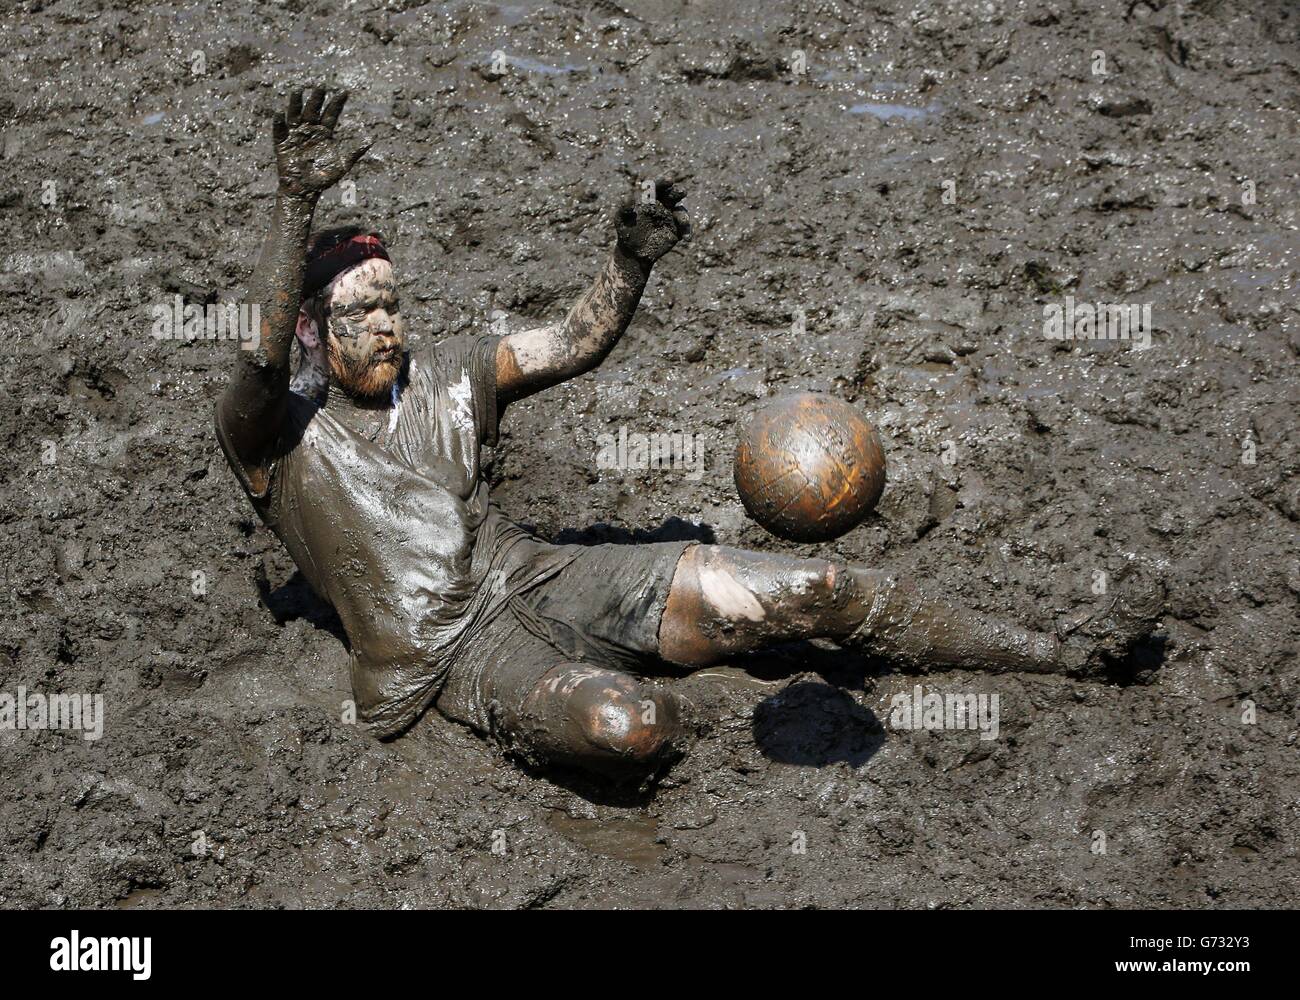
(309, 160)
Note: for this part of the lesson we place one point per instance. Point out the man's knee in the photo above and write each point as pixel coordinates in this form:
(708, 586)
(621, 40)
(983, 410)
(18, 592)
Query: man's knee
(601, 719)
(635, 725)
(726, 600)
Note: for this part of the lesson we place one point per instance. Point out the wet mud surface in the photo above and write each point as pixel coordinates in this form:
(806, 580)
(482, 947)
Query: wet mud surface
(1019, 467)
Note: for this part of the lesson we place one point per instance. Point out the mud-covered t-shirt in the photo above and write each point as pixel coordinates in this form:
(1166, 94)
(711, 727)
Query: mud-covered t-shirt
(397, 533)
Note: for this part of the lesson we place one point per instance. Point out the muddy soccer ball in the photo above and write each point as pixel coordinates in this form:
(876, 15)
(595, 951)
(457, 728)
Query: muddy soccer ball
(809, 467)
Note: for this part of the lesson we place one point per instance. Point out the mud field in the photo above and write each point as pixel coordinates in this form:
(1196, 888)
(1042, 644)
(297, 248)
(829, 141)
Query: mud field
(886, 196)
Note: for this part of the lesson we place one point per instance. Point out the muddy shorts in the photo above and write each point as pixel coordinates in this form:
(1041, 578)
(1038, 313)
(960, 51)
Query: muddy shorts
(603, 608)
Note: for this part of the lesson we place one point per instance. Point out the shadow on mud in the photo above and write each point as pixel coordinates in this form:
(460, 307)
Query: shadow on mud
(1141, 666)
(633, 792)
(813, 724)
(295, 599)
(674, 529)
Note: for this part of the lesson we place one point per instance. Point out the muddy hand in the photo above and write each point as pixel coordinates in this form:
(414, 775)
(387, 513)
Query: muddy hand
(308, 157)
(649, 229)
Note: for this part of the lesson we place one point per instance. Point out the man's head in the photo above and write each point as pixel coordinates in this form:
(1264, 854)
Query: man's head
(350, 311)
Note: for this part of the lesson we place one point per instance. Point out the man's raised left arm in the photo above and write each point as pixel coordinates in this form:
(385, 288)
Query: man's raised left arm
(532, 360)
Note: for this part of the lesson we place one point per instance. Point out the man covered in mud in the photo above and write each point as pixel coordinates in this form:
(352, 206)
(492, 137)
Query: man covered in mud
(367, 467)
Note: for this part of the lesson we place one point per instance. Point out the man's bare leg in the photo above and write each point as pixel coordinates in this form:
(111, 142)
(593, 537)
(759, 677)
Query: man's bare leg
(725, 601)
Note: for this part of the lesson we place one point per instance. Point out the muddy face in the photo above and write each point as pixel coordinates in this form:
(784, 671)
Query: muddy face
(365, 337)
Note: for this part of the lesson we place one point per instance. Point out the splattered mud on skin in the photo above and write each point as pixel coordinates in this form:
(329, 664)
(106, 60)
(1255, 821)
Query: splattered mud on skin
(541, 357)
(223, 707)
(726, 601)
(592, 327)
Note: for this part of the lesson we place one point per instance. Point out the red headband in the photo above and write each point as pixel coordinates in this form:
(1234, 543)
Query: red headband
(326, 266)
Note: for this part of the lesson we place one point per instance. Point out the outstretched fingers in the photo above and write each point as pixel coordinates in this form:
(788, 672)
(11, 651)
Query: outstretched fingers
(330, 116)
(311, 108)
(308, 107)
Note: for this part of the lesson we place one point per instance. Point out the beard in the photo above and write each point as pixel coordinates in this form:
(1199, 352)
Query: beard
(367, 377)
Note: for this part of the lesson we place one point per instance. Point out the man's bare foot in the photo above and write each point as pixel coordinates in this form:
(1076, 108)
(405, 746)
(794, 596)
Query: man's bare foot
(1109, 634)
